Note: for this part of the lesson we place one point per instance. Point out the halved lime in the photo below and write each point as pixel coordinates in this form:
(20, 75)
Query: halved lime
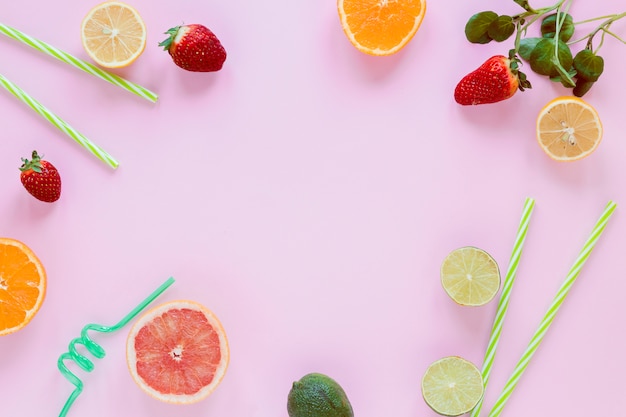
(470, 276)
(452, 386)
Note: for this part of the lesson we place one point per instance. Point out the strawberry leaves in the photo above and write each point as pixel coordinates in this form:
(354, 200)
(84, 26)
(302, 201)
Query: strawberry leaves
(551, 54)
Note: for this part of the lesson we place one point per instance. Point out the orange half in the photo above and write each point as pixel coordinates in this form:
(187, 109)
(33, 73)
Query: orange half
(380, 27)
(568, 129)
(113, 34)
(22, 285)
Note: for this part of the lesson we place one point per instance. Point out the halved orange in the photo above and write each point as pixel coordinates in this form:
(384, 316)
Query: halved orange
(113, 34)
(380, 27)
(568, 129)
(178, 352)
(22, 285)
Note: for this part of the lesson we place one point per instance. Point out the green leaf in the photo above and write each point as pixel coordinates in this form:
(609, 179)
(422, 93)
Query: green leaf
(523, 3)
(543, 57)
(589, 66)
(501, 29)
(526, 46)
(582, 87)
(476, 29)
(548, 27)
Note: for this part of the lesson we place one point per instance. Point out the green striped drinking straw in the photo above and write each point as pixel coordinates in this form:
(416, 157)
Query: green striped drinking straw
(59, 123)
(553, 309)
(78, 63)
(503, 303)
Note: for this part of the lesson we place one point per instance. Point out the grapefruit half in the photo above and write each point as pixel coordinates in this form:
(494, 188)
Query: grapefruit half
(178, 352)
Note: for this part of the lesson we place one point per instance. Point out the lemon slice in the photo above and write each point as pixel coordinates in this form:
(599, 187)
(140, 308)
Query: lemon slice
(470, 276)
(452, 386)
(113, 34)
(568, 129)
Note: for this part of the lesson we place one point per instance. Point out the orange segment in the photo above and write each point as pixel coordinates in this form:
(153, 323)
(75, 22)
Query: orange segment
(568, 129)
(22, 285)
(113, 34)
(178, 352)
(380, 27)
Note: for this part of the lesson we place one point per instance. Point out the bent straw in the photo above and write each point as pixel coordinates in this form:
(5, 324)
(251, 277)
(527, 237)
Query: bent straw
(58, 122)
(94, 348)
(503, 303)
(77, 63)
(552, 310)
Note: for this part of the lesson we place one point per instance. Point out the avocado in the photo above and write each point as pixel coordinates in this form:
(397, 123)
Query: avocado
(318, 395)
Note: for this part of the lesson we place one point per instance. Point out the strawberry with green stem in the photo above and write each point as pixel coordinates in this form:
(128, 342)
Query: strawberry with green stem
(40, 178)
(549, 55)
(495, 80)
(194, 48)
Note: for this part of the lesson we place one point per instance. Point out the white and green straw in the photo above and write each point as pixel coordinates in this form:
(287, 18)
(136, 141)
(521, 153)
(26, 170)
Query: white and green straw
(503, 303)
(78, 63)
(58, 122)
(552, 310)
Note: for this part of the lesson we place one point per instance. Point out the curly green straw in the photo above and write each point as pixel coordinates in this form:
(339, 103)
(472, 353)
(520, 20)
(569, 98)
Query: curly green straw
(95, 349)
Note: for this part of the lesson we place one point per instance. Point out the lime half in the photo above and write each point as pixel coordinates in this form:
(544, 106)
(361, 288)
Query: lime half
(452, 386)
(470, 276)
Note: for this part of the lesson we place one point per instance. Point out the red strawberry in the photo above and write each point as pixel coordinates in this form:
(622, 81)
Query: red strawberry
(41, 179)
(194, 48)
(495, 80)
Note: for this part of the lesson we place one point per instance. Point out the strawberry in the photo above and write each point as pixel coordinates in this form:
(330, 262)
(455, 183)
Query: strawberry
(41, 179)
(194, 48)
(495, 80)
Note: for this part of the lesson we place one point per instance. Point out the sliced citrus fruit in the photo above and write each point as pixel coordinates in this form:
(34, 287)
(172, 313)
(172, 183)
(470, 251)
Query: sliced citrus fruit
(113, 34)
(452, 386)
(22, 285)
(568, 129)
(380, 27)
(470, 276)
(178, 352)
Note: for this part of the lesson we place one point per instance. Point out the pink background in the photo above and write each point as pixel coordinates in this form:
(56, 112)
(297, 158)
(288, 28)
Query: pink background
(307, 194)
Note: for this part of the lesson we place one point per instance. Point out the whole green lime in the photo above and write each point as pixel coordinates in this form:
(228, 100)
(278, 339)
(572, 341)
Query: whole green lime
(317, 395)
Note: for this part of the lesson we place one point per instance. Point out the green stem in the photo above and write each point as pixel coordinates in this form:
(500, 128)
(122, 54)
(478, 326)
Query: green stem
(536, 14)
(608, 32)
(593, 19)
(604, 27)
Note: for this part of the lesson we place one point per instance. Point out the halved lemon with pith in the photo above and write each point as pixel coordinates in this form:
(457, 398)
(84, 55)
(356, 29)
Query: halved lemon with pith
(113, 34)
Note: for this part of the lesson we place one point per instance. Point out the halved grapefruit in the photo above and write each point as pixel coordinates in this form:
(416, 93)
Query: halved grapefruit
(178, 352)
